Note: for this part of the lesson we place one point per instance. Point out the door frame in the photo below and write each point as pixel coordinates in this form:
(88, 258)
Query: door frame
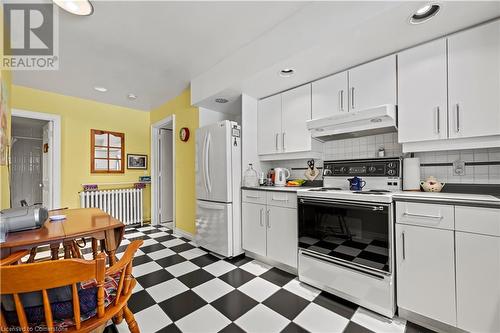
(55, 152)
(155, 160)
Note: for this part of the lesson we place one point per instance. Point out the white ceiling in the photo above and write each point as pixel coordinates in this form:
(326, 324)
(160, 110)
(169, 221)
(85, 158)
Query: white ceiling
(155, 49)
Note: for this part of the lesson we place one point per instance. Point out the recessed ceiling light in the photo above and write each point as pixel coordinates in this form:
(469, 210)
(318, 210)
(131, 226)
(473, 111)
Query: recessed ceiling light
(77, 7)
(132, 97)
(425, 13)
(221, 100)
(100, 89)
(287, 72)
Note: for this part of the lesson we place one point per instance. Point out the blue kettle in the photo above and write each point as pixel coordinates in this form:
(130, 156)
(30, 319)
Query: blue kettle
(356, 183)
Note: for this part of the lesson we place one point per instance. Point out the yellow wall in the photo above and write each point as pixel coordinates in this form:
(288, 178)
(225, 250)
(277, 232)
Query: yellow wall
(78, 117)
(4, 175)
(185, 116)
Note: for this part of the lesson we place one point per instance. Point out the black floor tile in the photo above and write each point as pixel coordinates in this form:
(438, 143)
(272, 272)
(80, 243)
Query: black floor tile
(195, 278)
(237, 277)
(293, 328)
(234, 304)
(152, 231)
(204, 260)
(144, 237)
(185, 239)
(164, 238)
(141, 260)
(181, 305)
(286, 304)
(352, 327)
(154, 278)
(336, 304)
(140, 301)
(170, 329)
(110, 329)
(170, 260)
(152, 248)
(239, 260)
(414, 328)
(277, 276)
(182, 247)
(232, 328)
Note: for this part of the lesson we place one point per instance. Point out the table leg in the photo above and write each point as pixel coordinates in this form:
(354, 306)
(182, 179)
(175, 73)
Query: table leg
(94, 248)
(67, 249)
(54, 251)
(112, 240)
(32, 255)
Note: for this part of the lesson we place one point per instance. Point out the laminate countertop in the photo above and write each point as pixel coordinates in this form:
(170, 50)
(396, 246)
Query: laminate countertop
(464, 199)
(276, 188)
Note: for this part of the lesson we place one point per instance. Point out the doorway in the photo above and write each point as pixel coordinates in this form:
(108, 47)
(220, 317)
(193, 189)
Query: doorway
(162, 172)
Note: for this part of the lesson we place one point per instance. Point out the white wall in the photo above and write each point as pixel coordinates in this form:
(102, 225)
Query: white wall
(208, 117)
(249, 133)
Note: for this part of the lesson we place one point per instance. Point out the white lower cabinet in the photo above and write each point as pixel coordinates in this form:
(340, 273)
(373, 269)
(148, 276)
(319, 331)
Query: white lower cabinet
(426, 272)
(270, 230)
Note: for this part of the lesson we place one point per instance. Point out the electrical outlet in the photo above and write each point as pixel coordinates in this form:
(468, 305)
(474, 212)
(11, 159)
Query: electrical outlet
(459, 168)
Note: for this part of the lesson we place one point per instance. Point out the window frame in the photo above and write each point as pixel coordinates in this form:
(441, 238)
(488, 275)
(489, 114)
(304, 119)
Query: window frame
(108, 147)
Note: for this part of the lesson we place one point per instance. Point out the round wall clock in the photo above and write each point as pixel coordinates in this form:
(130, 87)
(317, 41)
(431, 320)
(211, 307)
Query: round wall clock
(184, 134)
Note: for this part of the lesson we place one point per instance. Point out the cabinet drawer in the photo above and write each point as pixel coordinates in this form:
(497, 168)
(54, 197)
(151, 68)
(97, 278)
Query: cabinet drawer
(427, 215)
(253, 196)
(484, 221)
(282, 199)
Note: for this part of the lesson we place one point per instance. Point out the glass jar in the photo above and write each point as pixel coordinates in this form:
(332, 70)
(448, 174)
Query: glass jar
(250, 178)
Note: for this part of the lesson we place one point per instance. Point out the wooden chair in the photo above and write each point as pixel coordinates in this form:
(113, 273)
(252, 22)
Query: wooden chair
(35, 277)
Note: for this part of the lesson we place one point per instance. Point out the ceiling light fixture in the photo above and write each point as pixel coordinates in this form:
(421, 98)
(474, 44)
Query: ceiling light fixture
(76, 7)
(287, 72)
(425, 13)
(221, 100)
(101, 89)
(132, 97)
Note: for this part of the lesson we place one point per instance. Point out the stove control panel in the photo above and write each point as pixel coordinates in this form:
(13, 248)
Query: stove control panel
(383, 167)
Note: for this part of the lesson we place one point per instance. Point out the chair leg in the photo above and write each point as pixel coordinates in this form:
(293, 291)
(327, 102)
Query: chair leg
(129, 318)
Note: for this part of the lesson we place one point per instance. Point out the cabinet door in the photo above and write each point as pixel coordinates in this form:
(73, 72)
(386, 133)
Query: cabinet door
(474, 82)
(373, 84)
(329, 96)
(422, 99)
(478, 282)
(253, 228)
(282, 236)
(296, 111)
(426, 272)
(269, 125)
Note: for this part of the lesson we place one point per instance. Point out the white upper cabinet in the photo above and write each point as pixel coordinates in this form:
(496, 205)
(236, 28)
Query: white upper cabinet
(330, 96)
(269, 125)
(422, 103)
(474, 82)
(373, 84)
(295, 136)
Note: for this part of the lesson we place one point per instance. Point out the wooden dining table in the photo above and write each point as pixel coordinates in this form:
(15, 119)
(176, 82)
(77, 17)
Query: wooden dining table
(79, 223)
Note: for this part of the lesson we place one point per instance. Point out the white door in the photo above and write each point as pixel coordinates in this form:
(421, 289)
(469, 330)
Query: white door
(329, 96)
(213, 226)
(253, 227)
(478, 282)
(269, 125)
(373, 84)
(282, 235)
(295, 136)
(426, 272)
(422, 99)
(474, 82)
(47, 157)
(165, 175)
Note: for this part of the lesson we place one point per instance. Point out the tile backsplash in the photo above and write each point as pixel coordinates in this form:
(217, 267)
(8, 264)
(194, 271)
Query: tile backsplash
(363, 147)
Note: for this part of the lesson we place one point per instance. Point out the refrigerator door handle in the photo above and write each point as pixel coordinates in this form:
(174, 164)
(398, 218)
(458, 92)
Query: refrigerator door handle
(209, 206)
(207, 165)
(203, 161)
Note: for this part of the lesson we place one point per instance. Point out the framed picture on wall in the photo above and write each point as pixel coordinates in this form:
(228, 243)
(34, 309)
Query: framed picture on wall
(137, 161)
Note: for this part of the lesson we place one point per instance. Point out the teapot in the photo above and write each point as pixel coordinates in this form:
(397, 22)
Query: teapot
(431, 184)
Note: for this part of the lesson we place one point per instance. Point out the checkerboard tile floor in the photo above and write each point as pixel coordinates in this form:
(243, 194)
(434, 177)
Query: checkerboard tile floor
(182, 288)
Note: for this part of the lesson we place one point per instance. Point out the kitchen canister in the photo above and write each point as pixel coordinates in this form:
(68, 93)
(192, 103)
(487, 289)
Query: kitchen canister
(411, 174)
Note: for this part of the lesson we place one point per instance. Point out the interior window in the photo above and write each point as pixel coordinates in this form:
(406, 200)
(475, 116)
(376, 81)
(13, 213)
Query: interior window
(107, 151)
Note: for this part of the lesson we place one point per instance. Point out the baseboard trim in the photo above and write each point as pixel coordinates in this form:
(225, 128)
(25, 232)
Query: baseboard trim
(271, 262)
(429, 323)
(183, 233)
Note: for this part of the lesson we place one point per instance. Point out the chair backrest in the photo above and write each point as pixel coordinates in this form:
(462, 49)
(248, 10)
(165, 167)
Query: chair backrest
(35, 277)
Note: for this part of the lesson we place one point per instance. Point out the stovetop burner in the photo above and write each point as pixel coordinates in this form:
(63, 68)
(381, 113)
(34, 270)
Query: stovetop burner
(324, 189)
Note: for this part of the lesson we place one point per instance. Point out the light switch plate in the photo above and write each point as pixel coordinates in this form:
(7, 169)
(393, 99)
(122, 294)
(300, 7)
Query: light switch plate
(459, 168)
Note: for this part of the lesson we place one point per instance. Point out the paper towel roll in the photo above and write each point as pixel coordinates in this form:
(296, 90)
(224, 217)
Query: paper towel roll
(411, 174)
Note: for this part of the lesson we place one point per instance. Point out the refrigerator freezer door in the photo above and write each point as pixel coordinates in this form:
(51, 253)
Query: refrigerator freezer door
(214, 227)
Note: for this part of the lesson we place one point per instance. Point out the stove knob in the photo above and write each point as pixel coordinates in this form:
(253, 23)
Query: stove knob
(327, 172)
(343, 169)
(391, 165)
(372, 169)
(391, 172)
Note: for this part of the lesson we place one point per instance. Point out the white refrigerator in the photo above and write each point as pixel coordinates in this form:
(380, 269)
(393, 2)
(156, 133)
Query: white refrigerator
(218, 181)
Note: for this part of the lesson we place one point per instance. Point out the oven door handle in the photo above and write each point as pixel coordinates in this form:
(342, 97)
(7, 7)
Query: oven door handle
(337, 204)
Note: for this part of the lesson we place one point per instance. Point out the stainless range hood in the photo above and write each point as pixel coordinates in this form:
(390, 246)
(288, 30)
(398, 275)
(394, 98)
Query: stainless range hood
(376, 120)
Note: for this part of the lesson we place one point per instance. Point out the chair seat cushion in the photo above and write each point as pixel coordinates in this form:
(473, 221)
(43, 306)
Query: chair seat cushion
(62, 312)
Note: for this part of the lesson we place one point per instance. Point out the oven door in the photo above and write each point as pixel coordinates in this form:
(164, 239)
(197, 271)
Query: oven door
(354, 234)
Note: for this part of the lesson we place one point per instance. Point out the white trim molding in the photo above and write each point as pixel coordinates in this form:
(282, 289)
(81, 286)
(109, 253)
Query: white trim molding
(56, 155)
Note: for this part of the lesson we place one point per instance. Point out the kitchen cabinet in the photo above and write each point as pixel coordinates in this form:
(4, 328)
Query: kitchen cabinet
(269, 125)
(295, 136)
(422, 100)
(330, 96)
(426, 272)
(474, 81)
(373, 84)
(270, 229)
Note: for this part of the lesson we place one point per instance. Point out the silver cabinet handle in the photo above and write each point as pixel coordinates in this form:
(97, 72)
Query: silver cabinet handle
(423, 216)
(285, 200)
(341, 99)
(378, 208)
(277, 141)
(403, 244)
(260, 216)
(438, 124)
(352, 97)
(283, 140)
(252, 196)
(268, 222)
(458, 118)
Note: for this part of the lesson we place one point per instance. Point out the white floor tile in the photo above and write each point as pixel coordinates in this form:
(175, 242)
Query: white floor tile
(148, 242)
(167, 289)
(161, 254)
(259, 289)
(181, 268)
(206, 319)
(146, 228)
(137, 288)
(137, 254)
(262, 319)
(157, 235)
(193, 253)
(123, 242)
(315, 318)
(146, 268)
(219, 268)
(255, 267)
(378, 323)
(301, 289)
(152, 319)
(133, 235)
(173, 242)
(213, 289)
